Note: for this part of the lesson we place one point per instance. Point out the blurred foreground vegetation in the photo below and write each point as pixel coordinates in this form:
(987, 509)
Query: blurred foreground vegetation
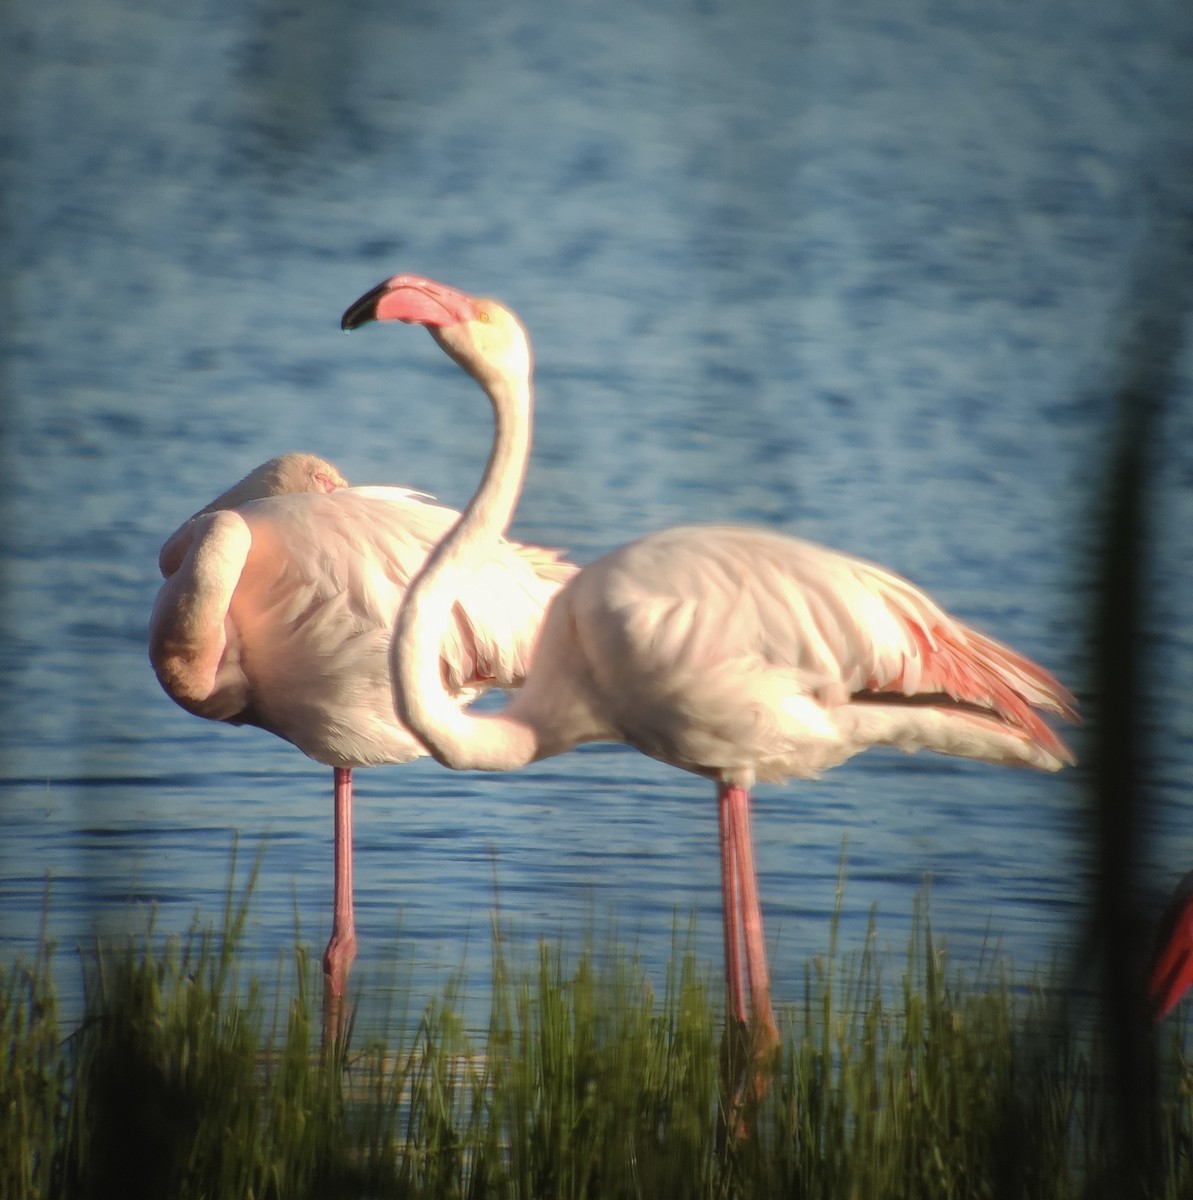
(896, 1080)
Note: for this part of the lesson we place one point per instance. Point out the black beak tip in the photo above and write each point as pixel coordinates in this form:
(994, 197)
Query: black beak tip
(361, 312)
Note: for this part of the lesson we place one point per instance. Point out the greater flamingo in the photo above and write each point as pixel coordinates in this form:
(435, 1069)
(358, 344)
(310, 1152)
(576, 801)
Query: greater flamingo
(278, 608)
(1172, 966)
(736, 653)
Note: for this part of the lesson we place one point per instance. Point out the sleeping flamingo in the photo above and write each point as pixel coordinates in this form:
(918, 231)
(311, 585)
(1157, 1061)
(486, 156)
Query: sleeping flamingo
(1172, 966)
(735, 653)
(278, 609)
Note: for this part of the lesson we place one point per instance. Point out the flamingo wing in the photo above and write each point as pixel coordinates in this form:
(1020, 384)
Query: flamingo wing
(741, 645)
(194, 649)
(496, 617)
(315, 608)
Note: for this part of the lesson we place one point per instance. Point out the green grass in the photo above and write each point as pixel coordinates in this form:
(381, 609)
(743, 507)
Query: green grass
(897, 1079)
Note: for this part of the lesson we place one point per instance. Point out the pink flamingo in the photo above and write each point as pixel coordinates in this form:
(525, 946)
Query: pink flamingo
(1172, 966)
(278, 609)
(736, 653)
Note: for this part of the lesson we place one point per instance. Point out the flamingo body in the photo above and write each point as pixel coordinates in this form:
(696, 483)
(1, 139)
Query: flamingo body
(740, 653)
(278, 609)
(300, 592)
(735, 653)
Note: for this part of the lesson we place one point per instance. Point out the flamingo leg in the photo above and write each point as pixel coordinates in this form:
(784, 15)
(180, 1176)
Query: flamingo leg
(731, 910)
(341, 949)
(752, 1035)
(763, 1017)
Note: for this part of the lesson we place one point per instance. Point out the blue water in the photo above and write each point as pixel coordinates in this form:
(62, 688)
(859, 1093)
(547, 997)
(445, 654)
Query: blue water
(857, 271)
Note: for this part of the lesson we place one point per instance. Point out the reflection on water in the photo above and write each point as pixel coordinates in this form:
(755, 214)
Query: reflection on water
(853, 276)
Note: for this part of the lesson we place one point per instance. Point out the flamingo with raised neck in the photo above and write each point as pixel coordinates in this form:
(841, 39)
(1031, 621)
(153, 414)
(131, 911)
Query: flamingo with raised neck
(733, 652)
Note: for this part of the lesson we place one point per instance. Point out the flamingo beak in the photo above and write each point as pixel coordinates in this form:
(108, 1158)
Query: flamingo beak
(413, 299)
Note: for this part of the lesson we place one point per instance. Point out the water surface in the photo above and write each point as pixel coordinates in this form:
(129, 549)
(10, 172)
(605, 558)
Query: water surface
(848, 272)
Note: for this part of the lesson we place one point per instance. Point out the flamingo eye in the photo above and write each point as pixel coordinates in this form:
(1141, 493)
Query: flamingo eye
(483, 316)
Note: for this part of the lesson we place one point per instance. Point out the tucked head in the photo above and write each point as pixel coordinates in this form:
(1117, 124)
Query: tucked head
(484, 337)
(284, 475)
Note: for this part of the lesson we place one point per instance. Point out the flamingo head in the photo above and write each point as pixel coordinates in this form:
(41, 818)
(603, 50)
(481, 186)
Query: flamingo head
(281, 476)
(484, 337)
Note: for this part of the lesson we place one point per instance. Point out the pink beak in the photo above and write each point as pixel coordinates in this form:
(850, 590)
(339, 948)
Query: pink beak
(413, 299)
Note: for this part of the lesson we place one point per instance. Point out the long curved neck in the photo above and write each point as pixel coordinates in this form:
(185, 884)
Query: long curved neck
(456, 737)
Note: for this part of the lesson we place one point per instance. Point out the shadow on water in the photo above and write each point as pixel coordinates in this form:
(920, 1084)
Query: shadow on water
(290, 74)
(296, 108)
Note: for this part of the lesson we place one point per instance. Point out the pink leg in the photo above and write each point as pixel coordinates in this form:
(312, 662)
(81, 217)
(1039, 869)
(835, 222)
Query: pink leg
(341, 949)
(751, 917)
(752, 1035)
(730, 911)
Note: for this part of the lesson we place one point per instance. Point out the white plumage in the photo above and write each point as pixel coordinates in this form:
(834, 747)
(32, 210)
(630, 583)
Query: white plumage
(736, 653)
(278, 610)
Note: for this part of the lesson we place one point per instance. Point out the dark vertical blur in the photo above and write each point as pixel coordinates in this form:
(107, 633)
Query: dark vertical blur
(1155, 317)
